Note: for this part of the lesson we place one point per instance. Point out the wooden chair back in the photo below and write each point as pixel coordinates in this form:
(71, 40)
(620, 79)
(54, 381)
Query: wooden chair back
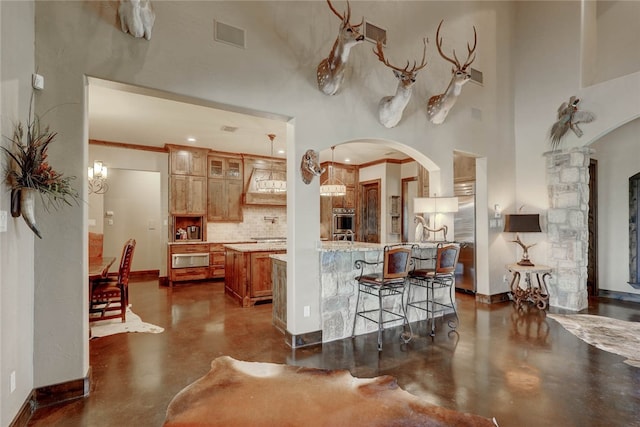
(396, 262)
(125, 262)
(447, 259)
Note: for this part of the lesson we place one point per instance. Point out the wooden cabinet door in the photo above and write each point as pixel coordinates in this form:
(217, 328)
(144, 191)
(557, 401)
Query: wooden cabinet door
(179, 199)
(350, 197)
(216, 206)
(180, 161)
(234, 169)
(197, 195)
(260, 274)
(234, 200)
(198, 163)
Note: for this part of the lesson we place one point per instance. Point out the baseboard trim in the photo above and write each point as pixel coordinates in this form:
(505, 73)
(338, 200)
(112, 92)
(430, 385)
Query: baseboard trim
(303, 340)
(622, 296)
(26, 411)
(492, 299)
(62, 392)
(51, 395)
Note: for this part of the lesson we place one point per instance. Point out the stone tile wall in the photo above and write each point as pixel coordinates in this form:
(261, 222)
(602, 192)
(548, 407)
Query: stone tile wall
(567, 231)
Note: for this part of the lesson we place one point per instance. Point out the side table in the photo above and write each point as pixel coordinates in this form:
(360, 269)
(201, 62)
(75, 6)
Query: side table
(537, 293)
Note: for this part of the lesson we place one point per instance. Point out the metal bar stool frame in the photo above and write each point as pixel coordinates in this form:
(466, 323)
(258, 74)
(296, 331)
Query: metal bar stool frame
(392, 281)
(441, 276)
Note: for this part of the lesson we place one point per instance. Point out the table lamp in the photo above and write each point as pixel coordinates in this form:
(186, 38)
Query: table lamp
(434, 205)
(522, 223)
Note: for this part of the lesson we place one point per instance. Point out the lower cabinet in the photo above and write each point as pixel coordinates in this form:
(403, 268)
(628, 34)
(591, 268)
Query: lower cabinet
(188, 261)
(279, 278)
(248, 276)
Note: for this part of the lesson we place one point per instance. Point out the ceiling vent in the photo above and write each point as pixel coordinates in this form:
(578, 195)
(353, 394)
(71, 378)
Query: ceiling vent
(373, 33)
(476, 76)
(228, 34)
(230, 129)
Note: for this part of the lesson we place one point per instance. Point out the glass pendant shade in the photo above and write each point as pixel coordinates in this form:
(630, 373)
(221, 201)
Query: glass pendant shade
(271, 184)
(332, 186)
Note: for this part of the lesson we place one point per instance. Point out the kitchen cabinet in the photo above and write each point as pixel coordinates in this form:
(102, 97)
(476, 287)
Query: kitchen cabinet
(225, 188)
(187, 160)
(216, 261)
(248, 273)
(349, 176)
(279, 279)
(187, 195)
(188, 262)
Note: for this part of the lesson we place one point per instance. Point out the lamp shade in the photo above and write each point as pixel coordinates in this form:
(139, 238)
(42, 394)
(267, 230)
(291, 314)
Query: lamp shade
(522, 223)
(435, 204)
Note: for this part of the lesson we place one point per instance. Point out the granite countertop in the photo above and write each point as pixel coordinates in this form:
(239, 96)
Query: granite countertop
(279, 257)
(344, 246)
(257, 247)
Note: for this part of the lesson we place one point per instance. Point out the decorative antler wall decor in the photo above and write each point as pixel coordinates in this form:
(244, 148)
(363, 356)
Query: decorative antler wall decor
(439, 105)
(330, 71)
(390, 108)
(568, 118)
(136, 17)
(310, 166)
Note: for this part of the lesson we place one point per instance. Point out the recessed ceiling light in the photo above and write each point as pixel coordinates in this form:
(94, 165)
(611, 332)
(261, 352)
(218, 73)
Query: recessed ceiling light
(191, 139)
(347, 160)
(280, 151)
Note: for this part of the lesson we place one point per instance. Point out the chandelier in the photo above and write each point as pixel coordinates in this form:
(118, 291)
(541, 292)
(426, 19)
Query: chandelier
(271, 184)
(98, 178)
(332, 186)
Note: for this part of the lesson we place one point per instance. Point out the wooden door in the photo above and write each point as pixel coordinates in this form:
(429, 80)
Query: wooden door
(370, 211)
(592, 225)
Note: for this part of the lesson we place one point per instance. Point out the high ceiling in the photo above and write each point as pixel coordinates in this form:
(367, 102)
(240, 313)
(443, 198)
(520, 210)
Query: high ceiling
(139, 116)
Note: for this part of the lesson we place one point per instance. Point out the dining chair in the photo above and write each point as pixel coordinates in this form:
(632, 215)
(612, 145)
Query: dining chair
(441, 275)
(109, 296)
(389, 282)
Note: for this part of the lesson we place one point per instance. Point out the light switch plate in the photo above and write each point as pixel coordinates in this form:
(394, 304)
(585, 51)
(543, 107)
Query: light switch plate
(3, 221)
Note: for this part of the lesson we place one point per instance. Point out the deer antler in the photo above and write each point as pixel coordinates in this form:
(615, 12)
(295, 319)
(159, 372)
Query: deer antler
(455, 61)
(345, 18)
(380, 54)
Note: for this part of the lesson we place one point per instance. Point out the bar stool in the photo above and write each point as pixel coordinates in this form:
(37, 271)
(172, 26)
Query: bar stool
(389, 282)
(440, 276)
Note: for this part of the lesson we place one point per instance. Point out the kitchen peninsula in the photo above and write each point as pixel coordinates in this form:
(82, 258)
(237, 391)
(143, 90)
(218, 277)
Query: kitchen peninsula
(339, 289)
(248, 271)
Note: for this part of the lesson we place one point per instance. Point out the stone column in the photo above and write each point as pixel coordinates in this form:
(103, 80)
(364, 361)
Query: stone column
(567, 219)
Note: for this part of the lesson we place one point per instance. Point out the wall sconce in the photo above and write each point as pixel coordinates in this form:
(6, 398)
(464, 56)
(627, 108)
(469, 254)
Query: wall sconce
(434, 205)
(522, 223)
(98, 178)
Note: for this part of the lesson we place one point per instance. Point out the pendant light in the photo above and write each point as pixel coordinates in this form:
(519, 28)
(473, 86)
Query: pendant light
(332, 186)
(271, 184)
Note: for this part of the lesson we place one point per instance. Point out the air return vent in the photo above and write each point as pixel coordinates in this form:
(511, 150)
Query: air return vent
(228, 34)
(373, 33)
(230, 129)
(476, 76)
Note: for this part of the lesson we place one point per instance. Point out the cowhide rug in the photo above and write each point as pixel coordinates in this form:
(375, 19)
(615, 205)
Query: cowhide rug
(237, 393)
(133, 323)
(612, 335)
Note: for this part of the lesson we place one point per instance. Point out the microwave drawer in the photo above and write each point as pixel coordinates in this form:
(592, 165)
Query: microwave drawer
(190, 260)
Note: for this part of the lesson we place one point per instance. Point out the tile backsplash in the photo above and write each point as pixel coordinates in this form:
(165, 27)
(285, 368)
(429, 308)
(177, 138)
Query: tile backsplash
(258, 221)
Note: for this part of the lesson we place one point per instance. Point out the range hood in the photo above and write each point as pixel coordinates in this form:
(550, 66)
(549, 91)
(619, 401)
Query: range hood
(254, 197)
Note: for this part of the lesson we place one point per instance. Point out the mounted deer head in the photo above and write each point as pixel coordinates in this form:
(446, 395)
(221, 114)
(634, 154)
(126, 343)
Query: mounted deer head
(136, 17)
(331, 69)
(310, 166)
(390, 108)
(439, 105)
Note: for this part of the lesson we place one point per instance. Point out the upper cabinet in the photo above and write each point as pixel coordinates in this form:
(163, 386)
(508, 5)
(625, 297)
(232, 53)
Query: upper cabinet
(187, 180)
(187, 161)
(224, 197)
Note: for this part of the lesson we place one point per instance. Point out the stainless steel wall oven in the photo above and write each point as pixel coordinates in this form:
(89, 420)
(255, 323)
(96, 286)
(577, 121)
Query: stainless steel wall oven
(344, 224)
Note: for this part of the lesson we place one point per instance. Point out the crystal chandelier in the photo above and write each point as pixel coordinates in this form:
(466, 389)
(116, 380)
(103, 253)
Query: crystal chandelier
(271, 184)
(332, 186)
(98, 178)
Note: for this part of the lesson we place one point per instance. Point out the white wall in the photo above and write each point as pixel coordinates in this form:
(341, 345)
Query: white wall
(617, 154)
(16, 244)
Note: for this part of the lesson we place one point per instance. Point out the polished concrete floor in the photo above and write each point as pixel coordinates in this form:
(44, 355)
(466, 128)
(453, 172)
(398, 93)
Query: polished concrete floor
(517, 366)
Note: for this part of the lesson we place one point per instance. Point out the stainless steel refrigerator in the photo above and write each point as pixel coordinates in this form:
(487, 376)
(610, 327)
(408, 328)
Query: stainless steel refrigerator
(464, 233)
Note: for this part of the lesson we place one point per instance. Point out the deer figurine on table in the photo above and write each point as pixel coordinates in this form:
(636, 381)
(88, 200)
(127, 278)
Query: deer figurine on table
(391, 108)
(439, 105)
(330, 71)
